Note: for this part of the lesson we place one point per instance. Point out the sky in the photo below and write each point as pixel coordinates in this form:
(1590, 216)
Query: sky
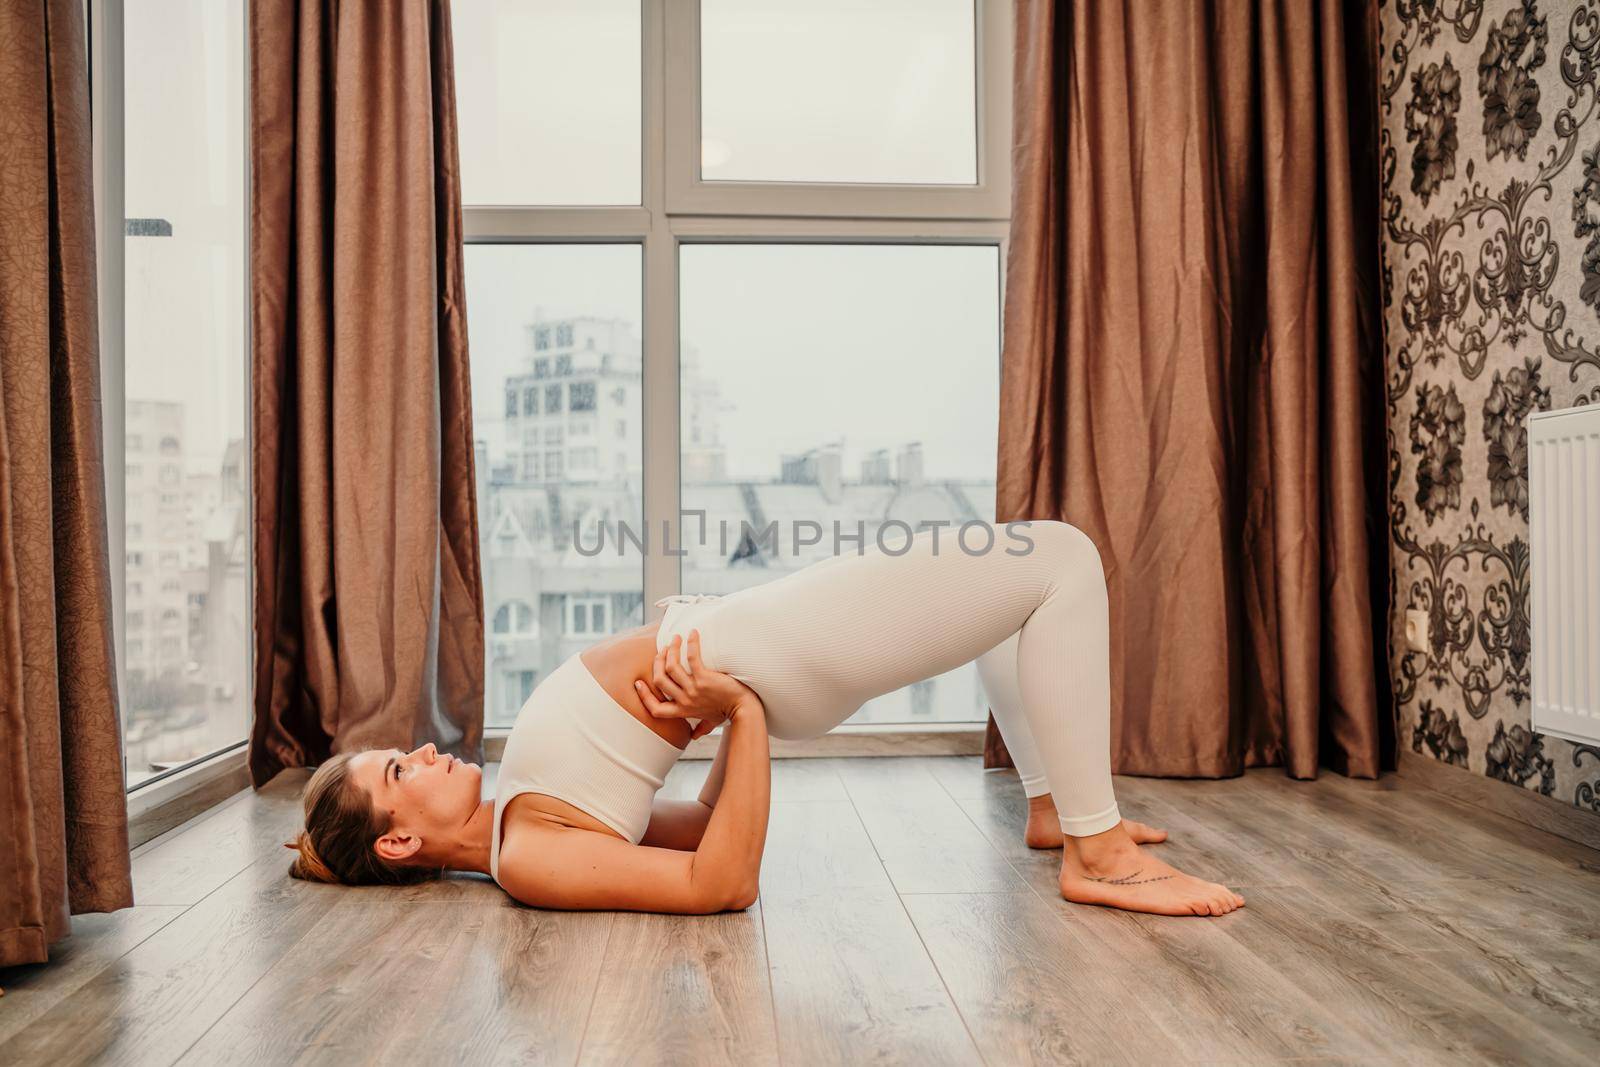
(887, 344)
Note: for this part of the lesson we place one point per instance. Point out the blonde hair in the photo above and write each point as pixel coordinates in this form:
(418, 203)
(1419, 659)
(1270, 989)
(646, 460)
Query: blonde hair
(342, 825)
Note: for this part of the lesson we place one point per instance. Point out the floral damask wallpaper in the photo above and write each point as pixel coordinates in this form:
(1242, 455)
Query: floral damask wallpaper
(1490, 172)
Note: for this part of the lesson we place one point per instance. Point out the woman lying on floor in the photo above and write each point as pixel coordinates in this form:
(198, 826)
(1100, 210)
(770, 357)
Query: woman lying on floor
(575, 822)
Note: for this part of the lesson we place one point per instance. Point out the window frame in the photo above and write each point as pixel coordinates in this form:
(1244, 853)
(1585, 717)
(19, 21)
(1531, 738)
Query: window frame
(678, 208)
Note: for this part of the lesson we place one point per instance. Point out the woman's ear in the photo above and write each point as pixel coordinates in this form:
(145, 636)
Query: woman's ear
(395, 847)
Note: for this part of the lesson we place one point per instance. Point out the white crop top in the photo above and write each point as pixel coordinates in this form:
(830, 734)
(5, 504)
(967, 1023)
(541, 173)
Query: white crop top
(574, 742)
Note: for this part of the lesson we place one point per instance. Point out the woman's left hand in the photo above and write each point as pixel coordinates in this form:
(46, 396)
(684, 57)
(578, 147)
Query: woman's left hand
(685, 688)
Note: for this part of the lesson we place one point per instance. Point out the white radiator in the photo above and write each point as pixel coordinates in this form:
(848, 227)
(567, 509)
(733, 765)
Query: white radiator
(1564, 594)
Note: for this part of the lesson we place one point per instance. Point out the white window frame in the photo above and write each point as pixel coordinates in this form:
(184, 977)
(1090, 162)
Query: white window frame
(678, 208)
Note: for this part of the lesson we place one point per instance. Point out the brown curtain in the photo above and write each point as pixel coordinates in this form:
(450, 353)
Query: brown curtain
(1191, 371)
(63, 809)
(369, 602)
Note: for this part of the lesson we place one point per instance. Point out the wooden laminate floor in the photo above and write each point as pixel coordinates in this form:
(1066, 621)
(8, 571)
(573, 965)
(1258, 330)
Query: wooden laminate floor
(901, 920)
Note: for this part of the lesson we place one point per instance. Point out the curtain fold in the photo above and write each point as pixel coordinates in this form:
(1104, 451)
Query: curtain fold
(1191, 369)
(63, 807)
(369, 598)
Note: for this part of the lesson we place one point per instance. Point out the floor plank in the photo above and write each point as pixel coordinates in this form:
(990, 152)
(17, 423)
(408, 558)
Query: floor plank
(513, 987)
(97, 941)
(340, 994)
(817, 847)
(182, 867)
(925, 841)
(852, 983)
(162, 995)
(1210, 995)
(1028, 988)
(1421, 1006)
(682, 989)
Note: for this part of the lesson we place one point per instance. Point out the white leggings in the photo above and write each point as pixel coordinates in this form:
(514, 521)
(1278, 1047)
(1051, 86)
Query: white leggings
(821, 641)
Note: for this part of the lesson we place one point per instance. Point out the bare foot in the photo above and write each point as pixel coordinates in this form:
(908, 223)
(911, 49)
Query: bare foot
(1044, 828)
(1111, 870)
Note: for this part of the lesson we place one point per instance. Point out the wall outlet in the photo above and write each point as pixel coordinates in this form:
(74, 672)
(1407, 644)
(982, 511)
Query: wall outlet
(1417, 629)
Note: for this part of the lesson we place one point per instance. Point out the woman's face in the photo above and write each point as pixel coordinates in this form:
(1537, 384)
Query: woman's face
(428, 797)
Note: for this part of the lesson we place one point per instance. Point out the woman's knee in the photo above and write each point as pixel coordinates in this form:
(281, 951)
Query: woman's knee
(1066, 546)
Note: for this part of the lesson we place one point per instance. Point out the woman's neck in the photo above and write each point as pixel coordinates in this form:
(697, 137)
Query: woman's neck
(469, 850)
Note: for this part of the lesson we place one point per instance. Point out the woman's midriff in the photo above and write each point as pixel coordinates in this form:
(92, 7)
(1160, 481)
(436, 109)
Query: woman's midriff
(615, 662)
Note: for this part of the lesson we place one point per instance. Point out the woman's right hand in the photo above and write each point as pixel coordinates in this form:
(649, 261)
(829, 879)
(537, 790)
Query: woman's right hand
(698, 692)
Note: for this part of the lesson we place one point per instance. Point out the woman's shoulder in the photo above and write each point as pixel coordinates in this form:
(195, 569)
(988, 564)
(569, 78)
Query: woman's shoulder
(523, 829)
(538, 834)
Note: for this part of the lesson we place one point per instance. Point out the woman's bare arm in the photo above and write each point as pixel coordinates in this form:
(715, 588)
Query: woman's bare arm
(679, 824)
(694, 690)
(736, 834)
(711, 789)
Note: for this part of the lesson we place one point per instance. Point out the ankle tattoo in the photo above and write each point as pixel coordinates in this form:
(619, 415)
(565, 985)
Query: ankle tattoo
(1129, 879)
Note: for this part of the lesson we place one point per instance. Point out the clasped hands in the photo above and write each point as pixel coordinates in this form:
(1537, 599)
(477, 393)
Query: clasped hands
(685, 688)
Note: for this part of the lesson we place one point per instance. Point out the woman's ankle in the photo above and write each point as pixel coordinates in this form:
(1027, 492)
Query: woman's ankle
(1102, 850)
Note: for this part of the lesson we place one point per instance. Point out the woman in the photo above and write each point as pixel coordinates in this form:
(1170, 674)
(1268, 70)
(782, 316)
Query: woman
(575, 822)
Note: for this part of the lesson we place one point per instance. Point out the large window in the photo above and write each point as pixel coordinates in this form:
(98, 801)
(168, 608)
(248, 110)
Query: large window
(733, 256)
(185, 510)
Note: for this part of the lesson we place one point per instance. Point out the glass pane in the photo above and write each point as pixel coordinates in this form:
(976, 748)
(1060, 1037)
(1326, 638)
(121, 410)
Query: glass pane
(555, 371)
(547, 101)
(838, 91)
(848, 384)
(188, 565)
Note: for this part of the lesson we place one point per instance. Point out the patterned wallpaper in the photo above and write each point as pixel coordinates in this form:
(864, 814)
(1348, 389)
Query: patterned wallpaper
(1490, 173)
